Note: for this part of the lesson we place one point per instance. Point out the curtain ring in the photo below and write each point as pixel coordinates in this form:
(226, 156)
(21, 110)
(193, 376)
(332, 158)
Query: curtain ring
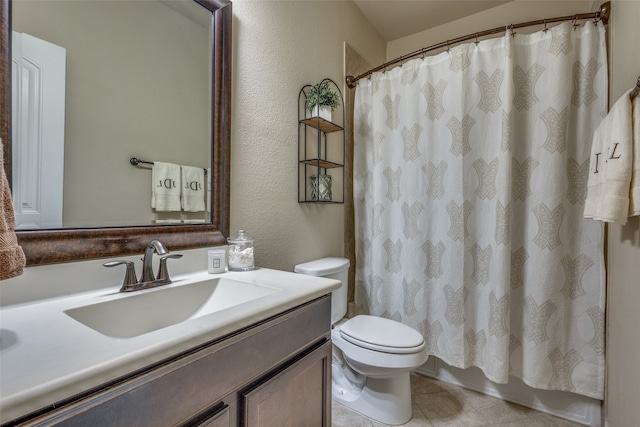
(448, 50)
(545, 25)
(512, 32)
(423, 52)
(575, 22)
(477, 39)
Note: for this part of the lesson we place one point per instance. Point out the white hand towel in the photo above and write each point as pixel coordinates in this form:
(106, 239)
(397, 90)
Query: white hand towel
(634, 193)
(165, 187)
(610, 166)
(193, 191)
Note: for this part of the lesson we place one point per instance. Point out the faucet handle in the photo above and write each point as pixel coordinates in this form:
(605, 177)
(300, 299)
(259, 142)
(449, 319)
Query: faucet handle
(163, 272)
(130, 279)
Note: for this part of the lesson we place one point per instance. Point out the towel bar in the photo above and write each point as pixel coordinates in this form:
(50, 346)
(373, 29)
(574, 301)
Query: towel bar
(135, 162)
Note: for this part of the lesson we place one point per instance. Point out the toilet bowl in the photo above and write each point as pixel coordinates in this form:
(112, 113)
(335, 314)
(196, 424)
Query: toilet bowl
(372, 356)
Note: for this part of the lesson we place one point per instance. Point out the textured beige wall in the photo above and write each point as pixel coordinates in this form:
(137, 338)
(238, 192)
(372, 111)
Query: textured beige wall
(623, 291)
(279, 46)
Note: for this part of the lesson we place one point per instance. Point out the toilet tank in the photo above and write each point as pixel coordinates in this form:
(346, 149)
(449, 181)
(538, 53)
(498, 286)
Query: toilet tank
(332, 268)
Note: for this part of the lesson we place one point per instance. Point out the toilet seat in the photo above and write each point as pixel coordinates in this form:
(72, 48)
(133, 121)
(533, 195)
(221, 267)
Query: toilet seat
(380, 334)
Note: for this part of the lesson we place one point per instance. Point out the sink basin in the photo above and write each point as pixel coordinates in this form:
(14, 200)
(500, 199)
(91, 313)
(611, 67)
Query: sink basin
(139, 313)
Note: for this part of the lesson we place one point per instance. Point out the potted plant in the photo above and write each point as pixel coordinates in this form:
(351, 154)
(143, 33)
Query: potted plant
(321, 100)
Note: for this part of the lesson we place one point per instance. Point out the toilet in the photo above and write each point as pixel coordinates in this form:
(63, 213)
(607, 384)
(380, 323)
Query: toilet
(372, 356)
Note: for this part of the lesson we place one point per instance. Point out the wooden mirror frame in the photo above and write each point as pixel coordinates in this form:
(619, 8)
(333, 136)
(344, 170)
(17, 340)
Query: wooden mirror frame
(66, 245)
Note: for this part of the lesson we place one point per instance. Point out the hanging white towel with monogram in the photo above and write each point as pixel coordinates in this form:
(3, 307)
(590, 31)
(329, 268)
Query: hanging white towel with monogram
(165, 187)
(611, 165)
(193, 190)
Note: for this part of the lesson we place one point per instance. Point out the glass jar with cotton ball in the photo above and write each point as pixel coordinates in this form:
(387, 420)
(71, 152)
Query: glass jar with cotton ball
(240, 252)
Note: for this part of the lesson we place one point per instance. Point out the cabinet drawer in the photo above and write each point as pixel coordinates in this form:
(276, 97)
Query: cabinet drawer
(218, 415)
(221, 419)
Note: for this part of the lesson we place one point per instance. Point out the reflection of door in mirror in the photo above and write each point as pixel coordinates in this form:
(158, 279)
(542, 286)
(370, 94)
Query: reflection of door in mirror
(38, 96)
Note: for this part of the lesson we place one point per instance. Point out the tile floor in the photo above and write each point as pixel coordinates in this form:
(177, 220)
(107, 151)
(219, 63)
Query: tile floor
(437, 403)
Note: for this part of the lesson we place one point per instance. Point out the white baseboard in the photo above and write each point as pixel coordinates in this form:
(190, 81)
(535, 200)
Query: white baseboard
(570, 406)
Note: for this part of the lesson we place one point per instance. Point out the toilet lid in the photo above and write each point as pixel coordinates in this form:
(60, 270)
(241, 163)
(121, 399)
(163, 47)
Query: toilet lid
(380, 334)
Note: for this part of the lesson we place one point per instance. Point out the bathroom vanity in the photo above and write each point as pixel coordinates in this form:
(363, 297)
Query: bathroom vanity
(272, 373)
(261, 362)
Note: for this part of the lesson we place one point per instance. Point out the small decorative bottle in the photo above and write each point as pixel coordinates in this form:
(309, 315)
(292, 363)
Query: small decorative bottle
(240, 252)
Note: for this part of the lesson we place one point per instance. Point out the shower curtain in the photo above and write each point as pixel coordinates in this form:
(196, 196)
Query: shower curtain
(470, 171)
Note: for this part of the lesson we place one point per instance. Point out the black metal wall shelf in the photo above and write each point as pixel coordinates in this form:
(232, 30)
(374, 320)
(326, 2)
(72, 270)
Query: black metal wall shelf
(321, 148)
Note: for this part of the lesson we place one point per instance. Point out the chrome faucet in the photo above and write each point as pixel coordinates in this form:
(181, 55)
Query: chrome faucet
(148, 279)
(147, 261)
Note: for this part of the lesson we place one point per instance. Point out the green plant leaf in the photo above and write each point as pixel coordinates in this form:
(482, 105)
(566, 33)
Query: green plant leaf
(321, 94)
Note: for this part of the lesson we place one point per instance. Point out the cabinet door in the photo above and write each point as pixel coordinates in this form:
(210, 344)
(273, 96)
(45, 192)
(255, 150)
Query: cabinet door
(297, 396)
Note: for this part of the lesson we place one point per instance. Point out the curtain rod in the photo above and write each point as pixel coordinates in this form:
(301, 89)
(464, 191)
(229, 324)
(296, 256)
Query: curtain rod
(636, 90)
(602, 14)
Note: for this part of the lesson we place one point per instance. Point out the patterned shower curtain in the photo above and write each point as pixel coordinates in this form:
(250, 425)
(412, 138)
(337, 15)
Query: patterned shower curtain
(470, 171)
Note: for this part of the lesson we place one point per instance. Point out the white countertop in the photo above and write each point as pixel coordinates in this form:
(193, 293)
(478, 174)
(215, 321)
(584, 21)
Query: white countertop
(47, 356)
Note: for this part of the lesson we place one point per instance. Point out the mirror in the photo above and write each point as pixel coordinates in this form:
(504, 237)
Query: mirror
(85, 243)
(95, 83)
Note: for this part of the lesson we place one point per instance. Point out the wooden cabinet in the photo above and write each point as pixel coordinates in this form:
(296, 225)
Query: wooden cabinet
(300, 395)
(219, 415)
(277, 368)
(220, 419)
